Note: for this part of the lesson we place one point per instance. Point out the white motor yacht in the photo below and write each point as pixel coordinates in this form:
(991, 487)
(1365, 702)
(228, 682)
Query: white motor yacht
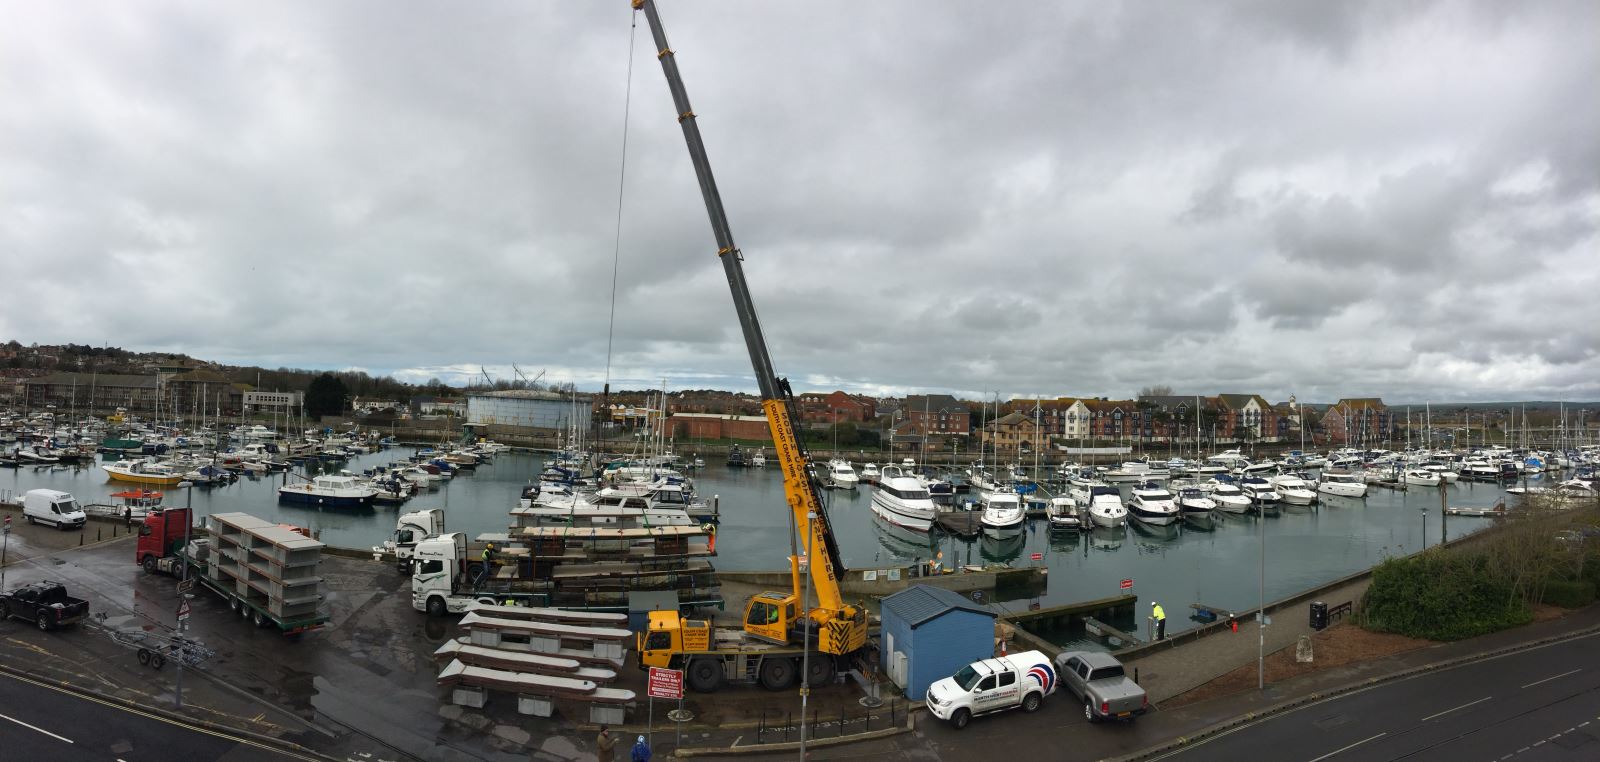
(1192, 501)
(1421, 477)
(1293, 490)
(1131, 471)
(1064, 517)
(1342, 484)
(1449, 475)
(1105, 506)
(1226, 494)
(758, 460)
(1259, 490)
(903, 500)
(1002, 514)
(1153, 504)
(869, 472)
(841, 474)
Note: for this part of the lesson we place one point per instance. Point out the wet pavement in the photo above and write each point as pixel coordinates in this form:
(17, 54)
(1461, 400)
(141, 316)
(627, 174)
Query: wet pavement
(363, 685)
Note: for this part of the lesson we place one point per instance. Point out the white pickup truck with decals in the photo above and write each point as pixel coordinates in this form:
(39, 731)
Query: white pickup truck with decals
(993, 685)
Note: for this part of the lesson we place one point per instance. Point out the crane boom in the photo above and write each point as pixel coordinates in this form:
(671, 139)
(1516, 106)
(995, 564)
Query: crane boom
(776, 395)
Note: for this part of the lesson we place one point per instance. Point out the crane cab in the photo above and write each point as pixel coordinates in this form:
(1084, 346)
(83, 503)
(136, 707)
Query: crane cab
(670, 635)
(771, 617)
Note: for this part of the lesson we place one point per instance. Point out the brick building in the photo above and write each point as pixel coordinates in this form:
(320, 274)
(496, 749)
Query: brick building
(1246, 416)
(1358, 421)
(937, 414)
(816, 407)
(718, 426)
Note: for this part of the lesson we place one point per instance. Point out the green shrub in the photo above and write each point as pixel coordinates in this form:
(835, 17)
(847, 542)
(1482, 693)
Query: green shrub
(1569, 593)
(1440, 596)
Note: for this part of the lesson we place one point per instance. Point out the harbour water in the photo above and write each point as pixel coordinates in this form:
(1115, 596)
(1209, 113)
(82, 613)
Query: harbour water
(1218, 566)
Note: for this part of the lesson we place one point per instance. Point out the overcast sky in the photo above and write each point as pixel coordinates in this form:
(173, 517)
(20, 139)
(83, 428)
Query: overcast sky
(1322, 198)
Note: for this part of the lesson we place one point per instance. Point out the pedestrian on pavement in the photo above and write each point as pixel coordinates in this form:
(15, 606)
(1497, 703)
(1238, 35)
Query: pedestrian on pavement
(1161, 620)
(603, 744)
(641, 751)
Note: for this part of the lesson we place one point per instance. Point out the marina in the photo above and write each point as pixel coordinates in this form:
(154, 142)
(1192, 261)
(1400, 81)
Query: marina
(1213, 559)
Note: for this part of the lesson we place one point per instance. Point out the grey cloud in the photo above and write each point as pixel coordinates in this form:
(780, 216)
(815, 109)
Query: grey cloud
(1007, 197)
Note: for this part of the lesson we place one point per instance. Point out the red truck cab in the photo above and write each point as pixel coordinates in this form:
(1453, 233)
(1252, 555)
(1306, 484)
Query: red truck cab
(160, 536)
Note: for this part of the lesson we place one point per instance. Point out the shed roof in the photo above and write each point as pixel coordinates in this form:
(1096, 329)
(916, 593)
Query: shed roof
(920, 604)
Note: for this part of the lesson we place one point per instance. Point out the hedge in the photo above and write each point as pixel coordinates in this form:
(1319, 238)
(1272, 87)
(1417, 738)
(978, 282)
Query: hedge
(1440, 596)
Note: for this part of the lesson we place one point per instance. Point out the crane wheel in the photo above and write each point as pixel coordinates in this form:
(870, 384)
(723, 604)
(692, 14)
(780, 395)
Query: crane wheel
(704, 675)
(819, 671)
(777, 673)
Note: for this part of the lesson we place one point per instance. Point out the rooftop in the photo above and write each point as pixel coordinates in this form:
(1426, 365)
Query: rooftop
(920, 604)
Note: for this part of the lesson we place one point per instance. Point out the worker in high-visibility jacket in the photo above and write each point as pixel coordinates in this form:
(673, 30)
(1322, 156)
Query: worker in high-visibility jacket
(1160, 615)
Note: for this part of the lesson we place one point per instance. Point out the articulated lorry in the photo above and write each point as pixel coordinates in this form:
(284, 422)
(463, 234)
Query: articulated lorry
(265, 572)
(410, 529)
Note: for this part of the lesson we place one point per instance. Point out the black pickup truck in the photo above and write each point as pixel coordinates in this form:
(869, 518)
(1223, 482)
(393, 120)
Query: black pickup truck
(46, 604)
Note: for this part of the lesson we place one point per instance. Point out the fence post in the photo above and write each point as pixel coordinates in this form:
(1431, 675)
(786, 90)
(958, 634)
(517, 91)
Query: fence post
(761, 727)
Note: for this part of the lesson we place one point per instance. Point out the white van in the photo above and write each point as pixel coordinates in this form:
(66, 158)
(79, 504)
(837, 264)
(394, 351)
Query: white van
(993, 685)
(54, 507)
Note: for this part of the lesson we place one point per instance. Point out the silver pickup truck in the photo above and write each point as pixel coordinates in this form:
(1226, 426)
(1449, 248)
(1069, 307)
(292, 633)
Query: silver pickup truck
(1098, 679)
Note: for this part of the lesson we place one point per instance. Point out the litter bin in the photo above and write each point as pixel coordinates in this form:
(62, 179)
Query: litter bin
(1319, 615)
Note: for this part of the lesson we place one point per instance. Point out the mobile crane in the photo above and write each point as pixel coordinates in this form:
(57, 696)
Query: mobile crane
(774, 622)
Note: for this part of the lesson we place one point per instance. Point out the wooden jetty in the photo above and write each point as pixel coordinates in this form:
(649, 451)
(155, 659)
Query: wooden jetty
(1096, 627)
(960, 523)
(1054, 615)
(1498, 509)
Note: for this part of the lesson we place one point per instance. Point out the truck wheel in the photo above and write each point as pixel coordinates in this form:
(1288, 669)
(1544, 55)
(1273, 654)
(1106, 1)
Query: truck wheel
(777, 673)
(819, 672)
(233, 603)
(960, 719)
(259, 618)
(149, 564)
(1031, 703)
(144, 657)
(43, 620)
(436, 607)
(1088, 711)
(704, 675)
(5, 611)
(157, 661)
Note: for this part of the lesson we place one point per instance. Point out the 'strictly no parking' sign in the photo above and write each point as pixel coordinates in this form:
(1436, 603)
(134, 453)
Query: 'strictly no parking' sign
(666, 683)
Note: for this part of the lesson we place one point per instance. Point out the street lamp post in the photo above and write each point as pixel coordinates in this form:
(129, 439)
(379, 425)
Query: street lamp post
(805, 655)
(1261, 612)
(183, 594)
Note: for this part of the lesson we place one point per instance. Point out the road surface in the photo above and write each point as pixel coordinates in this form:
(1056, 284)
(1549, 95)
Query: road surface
(39, 722)
(1540, 704)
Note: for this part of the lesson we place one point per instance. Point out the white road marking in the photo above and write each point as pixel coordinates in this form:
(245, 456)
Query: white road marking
(30, 727)
(1548, 679)
(1351, 746)
(1463, 706)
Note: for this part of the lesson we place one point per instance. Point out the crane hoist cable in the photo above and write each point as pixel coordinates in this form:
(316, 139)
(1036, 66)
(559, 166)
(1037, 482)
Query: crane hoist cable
(622, 179)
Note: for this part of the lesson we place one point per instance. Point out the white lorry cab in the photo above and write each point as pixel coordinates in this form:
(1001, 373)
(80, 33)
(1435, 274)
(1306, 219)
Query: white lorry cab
(54, 507)
(993, 685)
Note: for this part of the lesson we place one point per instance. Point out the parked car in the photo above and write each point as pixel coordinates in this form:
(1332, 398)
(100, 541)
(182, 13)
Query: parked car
(46, 604)
(993, 685)
(1100, 681)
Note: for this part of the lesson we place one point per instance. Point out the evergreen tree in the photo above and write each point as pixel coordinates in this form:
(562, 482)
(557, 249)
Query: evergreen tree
(327, 395)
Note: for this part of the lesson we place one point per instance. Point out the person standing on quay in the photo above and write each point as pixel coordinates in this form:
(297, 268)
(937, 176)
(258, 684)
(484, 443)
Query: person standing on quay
(641, 751)
(603, 745)
(1161, 620)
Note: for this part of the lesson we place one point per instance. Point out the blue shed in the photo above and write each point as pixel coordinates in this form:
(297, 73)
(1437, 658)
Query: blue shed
(929, 633)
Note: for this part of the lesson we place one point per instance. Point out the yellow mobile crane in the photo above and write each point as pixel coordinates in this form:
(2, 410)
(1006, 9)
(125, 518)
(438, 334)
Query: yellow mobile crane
(778, 630)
